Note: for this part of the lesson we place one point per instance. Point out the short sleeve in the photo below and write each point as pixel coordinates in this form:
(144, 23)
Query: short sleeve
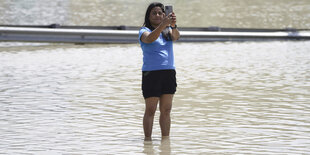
(142, 30)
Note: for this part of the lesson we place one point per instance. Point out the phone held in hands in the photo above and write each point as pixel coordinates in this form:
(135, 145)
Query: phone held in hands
(168, 9)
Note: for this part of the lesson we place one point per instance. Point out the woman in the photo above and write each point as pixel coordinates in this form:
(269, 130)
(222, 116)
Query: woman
(158, 71)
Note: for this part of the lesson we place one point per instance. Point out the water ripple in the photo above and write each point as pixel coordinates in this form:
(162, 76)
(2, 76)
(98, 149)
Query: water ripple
(232, 98)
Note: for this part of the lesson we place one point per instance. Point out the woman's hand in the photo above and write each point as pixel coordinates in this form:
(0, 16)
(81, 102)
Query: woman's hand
(175, 34)
(167, 20)
(174, 19)
(170, 20)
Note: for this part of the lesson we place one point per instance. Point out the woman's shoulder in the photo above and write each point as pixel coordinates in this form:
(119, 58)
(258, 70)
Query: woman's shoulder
(143, 28)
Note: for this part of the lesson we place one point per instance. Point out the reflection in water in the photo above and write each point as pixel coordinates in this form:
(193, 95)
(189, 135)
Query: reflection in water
(148, 148)
(164, 147)
(232, 98)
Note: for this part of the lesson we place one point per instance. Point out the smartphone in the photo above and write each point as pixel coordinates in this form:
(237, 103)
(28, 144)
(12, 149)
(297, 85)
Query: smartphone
(168, 9)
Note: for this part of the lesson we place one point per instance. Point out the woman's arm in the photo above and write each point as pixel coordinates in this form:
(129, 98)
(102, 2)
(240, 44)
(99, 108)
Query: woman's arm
(149, 37)
(175, 34)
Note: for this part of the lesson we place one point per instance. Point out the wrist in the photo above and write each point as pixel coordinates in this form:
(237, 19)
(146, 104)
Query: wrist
(174, 26)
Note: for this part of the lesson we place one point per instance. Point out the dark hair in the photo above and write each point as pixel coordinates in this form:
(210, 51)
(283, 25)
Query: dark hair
(147, 22)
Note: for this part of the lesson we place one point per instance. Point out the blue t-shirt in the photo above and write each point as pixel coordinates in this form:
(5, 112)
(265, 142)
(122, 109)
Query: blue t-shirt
(157, 55)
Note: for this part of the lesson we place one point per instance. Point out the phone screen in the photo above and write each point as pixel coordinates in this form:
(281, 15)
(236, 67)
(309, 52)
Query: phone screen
(168, 9)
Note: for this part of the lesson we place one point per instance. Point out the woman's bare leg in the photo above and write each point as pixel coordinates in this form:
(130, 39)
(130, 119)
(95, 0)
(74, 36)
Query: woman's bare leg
(165, 109)
(150, 109)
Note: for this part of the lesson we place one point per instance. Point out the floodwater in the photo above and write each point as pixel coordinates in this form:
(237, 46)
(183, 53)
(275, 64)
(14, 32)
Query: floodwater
(232, 98)
(193, 13)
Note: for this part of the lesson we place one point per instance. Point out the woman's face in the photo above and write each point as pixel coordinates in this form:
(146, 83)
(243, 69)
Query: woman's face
(156, 16)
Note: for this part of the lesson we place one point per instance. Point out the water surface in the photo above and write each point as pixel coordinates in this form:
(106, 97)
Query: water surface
(247, 98)
(194, 13)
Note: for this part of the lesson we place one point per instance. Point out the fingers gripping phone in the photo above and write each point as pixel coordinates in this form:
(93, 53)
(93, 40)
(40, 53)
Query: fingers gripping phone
(168, 9)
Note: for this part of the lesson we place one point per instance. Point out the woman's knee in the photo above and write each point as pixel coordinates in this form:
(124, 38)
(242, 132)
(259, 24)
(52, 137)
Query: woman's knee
(150, 111)
(151, 106)
(165, 110)
(166, 104)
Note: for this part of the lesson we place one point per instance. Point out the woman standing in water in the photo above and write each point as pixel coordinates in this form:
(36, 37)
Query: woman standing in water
(158, 72)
